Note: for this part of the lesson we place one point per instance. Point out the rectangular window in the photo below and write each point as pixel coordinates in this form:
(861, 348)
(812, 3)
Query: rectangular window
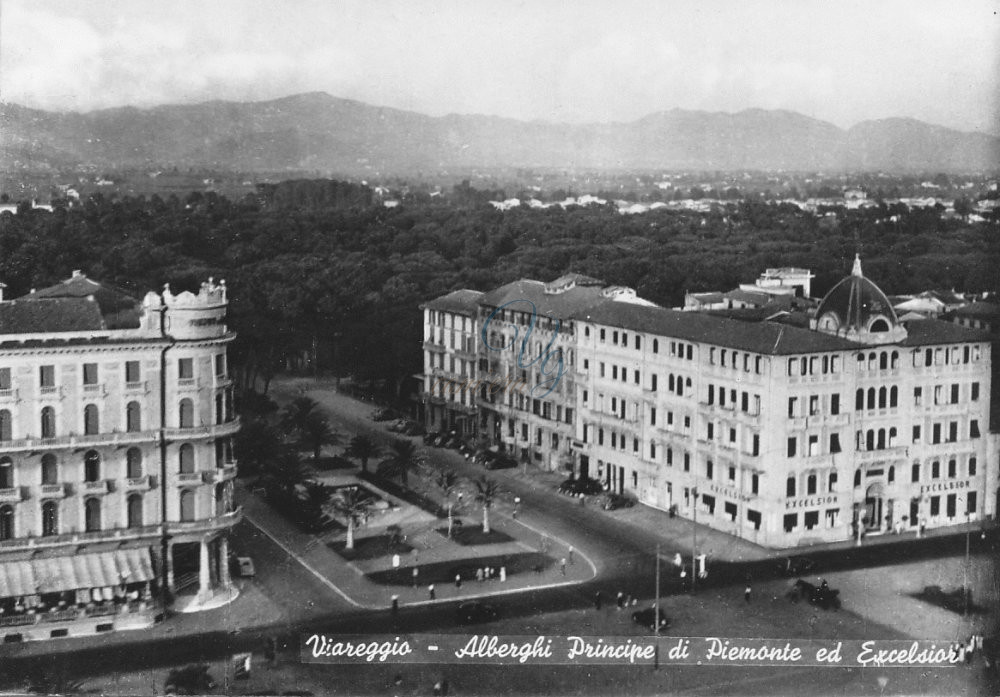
(792, 407)
(835, 403)
(952, 469)
(918, 396)
(811, 519)
(756, 444)
(602, 369)
(586, 394)
(972, 467)
(813, 405)
(974, 395)
(745, 402)
(732, 473)
(569, 415)
(834, 442)
(131, 371)
(185, 368)
(974, 428)
(832, 516)
(687, 462)
(710, 430)
(915, 473)
(953, 431)
(732, 435)
(730, 509)
(791, 521)
(813, 445)
(950, 506)
(754, 517)
(652, 416)
(4, 378)
(47, 375)
(970, 503)
(936, 434)
(916, 434)
(637, 378)
(791, 447)
(89, 373)
(754, 483)
(614, 372)
(711, 394)
(220, 365)
(935, 469)
(709, 467)
(935, 505)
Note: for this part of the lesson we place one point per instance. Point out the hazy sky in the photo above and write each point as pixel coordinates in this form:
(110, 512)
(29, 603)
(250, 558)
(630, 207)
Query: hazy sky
(579, 60)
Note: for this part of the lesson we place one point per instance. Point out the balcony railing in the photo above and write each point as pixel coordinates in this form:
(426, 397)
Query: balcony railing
(142, 483)
(53, 491)
(203, 431)
(75, 538)
(8, 395)
(893, 453)
(188, 477)
(11, 495)
(80, 440)
(101, 486)
(219, 474)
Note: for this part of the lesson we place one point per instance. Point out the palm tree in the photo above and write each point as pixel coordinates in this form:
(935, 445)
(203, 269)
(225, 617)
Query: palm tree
(257, 445)
(352, 503)
(362, 448)
(447, 481)
(486, 493)
(402, 459)
(283, 475)
(316, 432)
(296, 414)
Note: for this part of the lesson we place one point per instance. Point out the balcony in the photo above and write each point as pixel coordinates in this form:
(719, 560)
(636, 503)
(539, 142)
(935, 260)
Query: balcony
(204, 431)
(434, 346)
(143, 483)
(221, 522)
(51, 391)
(95, 390)
(77, 538)
(12, 494)
(53, 491)
(895, 453)
(139, 387)
(79, 441)
(219, 474)
(101, 486)
(187, 478)
(188, 384)
(8, 395)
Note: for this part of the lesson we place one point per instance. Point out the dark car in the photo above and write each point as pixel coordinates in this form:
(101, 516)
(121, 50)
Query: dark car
(796, 566)
(498, 461)
(645, 618)
(613, 502)
(474, 612)
(821, 595)
(189, 680)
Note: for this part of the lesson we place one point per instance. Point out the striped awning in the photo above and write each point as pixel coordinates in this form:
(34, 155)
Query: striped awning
(68, 573)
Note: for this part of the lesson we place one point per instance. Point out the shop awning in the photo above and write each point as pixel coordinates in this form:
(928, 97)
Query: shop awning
(68, 573)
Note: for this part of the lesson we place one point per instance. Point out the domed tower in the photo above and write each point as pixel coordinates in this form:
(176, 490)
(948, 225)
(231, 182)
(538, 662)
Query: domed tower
(858, 310)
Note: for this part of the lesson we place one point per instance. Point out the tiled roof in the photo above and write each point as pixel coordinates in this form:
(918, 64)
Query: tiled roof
(557, 305)
(758, 337)
(462, 301)
(978, 309)
(119, 308)
(934, 331)
(42, 315)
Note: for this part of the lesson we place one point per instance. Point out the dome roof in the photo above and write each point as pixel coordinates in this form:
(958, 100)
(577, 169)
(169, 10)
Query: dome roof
(856, 308)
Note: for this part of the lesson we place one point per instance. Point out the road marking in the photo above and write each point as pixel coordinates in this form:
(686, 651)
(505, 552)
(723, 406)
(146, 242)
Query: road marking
(306, 564)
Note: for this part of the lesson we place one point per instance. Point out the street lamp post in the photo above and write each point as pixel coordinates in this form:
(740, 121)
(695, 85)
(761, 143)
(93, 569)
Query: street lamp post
(694, 542)
(965, 583)
(656, 614)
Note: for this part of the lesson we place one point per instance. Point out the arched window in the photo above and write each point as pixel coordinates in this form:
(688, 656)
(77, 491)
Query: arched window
(881, 439)
(6, 522)
(893, 397)
(186, 458)
(90, 423)
(187, 505)
(882, 394)
(91, 466)
(879, 326)
(50, 469)
(670, 382)
(50, 518)
(883, 360)
(870, 440)
(871, 397)
(832, 482)
(135, 511)
(872, 360)
(92, 515)
(894, 360)
(133, 417)
(220, 409)
(790, 487)
(6, 473)
(6, 426)
(186, 413)
(656, 345)
(133, 463)
(48, 422)
(811, 483)
(859, 399)
(680, 386)
(857, 478)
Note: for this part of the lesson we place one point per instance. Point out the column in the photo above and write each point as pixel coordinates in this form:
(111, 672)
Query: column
(224, 577)
(169, 561)
(204, 573)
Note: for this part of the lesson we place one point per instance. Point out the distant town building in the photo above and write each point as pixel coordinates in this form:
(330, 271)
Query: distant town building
(116, 458)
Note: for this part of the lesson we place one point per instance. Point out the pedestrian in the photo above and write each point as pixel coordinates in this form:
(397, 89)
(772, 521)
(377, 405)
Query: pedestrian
(628, 599)
(416, 572)
(395, 605)
(597, 600)
(620, 600)
(562, 565)
(479, 574)
(458, 581)
(503, 574)
(571, 554)
(746, 593)
(430, 591)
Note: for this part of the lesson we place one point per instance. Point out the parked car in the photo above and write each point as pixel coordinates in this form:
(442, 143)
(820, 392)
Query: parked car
(611, 502)
(821, 595)
(413, 429)
(189, 680)
(796, 566)
(496, 461)
(644, 618)
(245, 566)
(474, 612)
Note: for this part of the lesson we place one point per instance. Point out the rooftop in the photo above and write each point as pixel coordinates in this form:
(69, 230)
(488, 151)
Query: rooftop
(462, 301)
(46, 315)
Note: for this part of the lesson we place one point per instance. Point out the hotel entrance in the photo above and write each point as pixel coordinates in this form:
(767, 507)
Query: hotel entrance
(873, 511)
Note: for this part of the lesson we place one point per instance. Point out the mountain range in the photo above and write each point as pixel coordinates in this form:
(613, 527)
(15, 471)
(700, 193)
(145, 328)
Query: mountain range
(318, 132)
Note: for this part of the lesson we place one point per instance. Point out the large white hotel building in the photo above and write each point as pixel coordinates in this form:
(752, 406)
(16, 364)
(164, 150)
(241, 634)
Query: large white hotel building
(780, 433)
(116, 461)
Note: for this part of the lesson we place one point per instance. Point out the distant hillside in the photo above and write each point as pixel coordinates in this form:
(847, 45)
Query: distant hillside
(316, 131)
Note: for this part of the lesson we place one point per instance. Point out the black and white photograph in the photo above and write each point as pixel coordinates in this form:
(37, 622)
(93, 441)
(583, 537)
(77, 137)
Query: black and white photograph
(548, 347)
